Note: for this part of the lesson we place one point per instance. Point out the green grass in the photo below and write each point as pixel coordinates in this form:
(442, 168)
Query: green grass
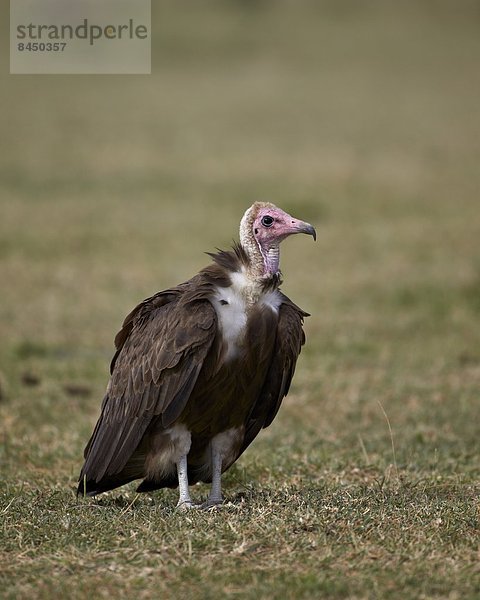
(360, 117)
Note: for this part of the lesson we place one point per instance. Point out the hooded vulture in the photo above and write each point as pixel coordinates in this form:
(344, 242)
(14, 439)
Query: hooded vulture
(200, 369)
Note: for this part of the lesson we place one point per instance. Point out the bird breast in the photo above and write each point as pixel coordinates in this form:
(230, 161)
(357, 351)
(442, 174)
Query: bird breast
(234, 304)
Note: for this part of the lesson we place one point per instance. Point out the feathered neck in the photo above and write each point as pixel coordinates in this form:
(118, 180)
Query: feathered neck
(238, 260)
(263, 262)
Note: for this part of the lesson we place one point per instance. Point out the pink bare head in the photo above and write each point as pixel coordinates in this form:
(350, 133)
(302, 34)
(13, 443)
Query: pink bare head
(273, 224)
(264, 226)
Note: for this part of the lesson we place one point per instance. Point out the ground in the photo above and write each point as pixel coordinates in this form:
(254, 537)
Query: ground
(362, 118)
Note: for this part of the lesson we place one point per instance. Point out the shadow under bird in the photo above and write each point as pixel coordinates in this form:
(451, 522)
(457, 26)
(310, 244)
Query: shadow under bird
(200, 369)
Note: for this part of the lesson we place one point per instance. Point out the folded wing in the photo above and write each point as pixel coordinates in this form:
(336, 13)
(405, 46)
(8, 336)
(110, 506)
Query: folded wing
(289, 341)
(160, 352)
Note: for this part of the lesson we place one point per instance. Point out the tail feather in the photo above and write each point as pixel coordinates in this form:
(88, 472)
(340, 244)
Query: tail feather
(89, 486)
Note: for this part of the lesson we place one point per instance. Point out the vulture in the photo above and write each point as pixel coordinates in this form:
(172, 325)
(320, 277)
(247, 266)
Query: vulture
(200, 369)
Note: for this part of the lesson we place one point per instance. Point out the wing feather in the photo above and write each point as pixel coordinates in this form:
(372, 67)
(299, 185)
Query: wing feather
(289, 341)
(160, 352)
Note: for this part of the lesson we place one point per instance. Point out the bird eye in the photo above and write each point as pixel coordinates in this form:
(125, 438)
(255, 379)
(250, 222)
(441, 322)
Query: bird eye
(267, 221)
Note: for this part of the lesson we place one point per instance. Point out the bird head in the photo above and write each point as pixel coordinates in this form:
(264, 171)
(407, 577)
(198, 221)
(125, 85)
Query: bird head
(262, 228)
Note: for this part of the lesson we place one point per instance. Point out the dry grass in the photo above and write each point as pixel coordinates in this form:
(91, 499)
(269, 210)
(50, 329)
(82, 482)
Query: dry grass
(363, 119)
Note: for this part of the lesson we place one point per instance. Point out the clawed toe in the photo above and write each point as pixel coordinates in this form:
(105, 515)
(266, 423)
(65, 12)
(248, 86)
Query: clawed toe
(210, 504)
(185, 505)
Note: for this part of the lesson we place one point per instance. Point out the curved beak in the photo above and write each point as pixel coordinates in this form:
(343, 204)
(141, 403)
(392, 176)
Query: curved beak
(303, 227)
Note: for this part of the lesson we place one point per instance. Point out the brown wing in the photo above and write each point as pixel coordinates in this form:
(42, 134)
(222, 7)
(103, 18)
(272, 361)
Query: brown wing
(289, 341)
(160, 352)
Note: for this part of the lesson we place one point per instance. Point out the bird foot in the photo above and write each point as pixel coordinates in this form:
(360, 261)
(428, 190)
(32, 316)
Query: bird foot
(211, 503)
(185, 505)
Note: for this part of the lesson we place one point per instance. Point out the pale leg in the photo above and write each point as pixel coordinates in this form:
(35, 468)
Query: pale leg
(215, 496)
(184, 500)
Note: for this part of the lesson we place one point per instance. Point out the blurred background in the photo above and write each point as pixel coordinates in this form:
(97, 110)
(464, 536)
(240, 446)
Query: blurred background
(361, 117)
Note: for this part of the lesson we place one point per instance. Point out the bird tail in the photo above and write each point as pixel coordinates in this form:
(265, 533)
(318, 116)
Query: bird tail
(90, 487)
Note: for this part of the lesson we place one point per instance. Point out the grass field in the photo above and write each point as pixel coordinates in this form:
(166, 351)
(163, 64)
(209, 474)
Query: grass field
(360, 117)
